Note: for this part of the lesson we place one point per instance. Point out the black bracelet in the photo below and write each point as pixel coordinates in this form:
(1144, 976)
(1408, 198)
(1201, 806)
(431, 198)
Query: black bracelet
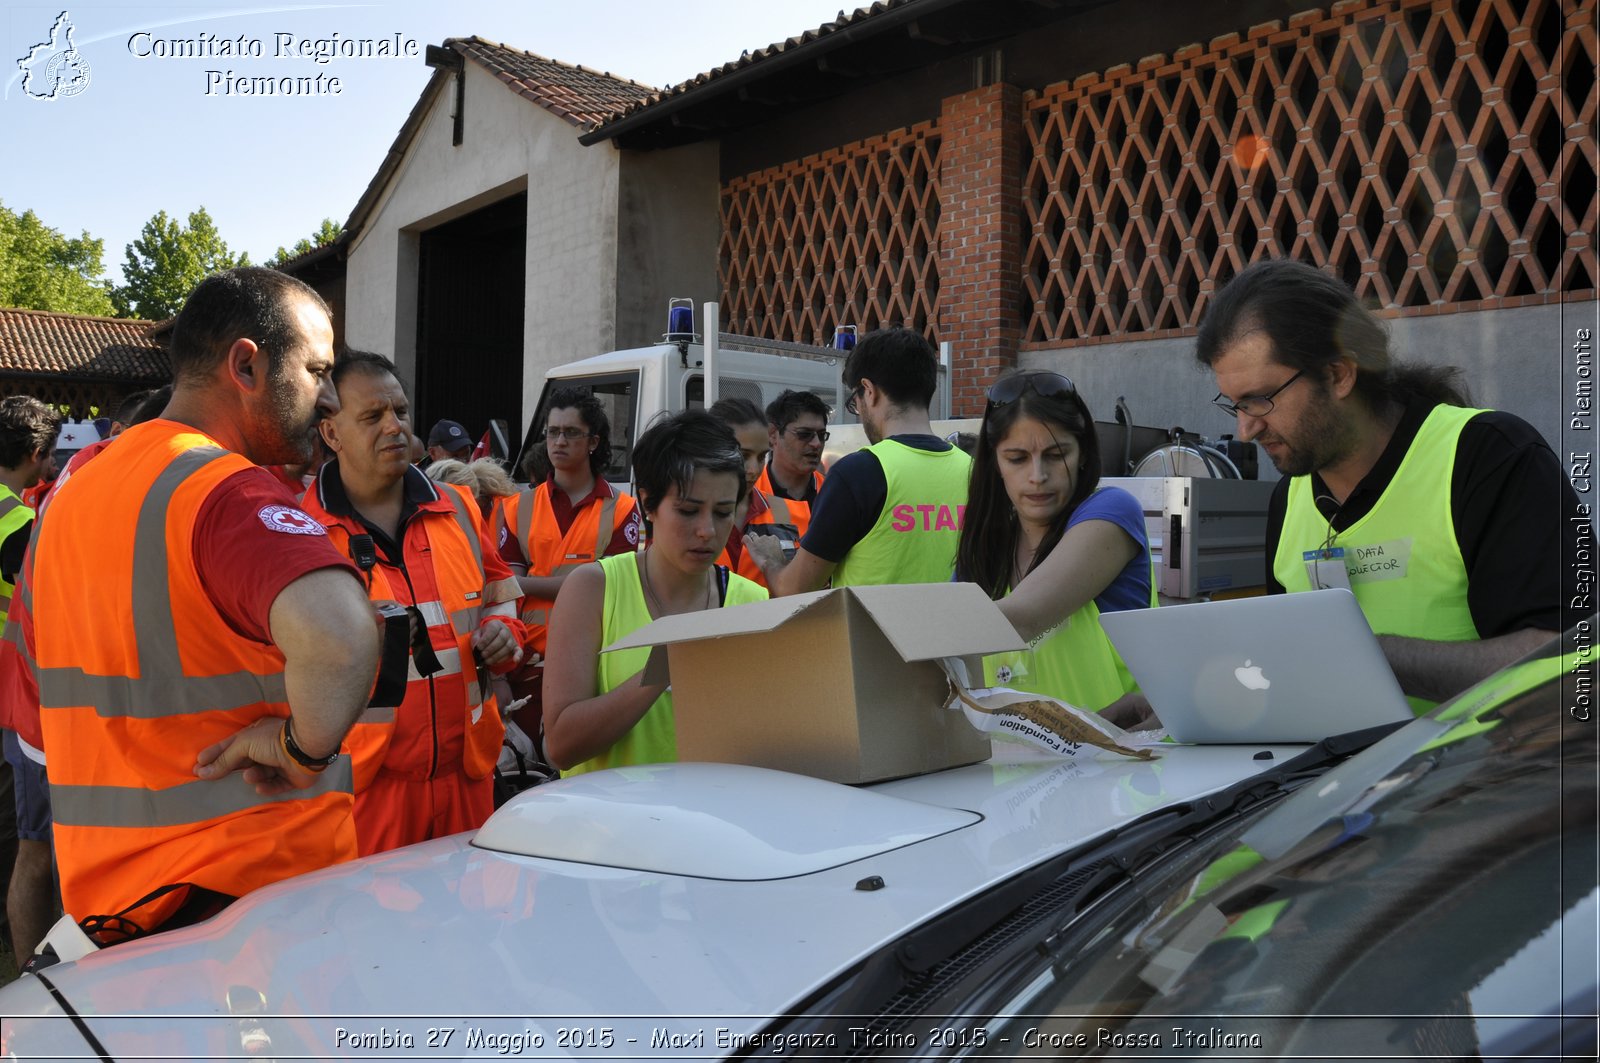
(300, 756)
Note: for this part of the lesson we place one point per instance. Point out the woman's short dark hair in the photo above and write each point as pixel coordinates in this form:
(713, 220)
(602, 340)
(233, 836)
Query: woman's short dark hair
(989, 532)
(674, 448)
(594, 418)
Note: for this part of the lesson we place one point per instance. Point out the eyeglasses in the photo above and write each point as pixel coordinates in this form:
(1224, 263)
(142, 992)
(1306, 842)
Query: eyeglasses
(806, 435)
(569, 434)
(1041, 382)
(850, 403)
(1253, 405)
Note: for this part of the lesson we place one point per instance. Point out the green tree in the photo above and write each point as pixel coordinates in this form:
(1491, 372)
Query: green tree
(326, 234)
(167, 260)
(40, 269)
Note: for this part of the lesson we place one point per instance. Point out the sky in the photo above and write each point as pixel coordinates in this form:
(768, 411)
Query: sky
(152, 131)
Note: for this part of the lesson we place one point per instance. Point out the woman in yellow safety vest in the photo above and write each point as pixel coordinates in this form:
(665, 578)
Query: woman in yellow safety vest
(598, 711)
(1055, 549)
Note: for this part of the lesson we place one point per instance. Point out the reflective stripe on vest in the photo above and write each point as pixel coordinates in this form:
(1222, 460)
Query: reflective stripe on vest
(777, 510)
(443, 711)
(153, 694)
(193, 802)
(467, 519)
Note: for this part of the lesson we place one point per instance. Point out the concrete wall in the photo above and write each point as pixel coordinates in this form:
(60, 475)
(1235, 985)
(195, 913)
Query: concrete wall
(1516, 360)
(509, 144)
(668, 229)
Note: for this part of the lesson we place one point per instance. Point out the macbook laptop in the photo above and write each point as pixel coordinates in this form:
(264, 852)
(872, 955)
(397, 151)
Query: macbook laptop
(1279, 668)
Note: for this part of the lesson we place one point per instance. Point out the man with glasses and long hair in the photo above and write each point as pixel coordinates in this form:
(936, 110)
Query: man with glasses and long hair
(1449, 524)
(890, 513)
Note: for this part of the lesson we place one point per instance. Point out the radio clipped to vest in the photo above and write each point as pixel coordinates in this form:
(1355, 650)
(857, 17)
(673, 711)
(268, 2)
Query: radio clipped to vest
(394, 663)
(394, 666)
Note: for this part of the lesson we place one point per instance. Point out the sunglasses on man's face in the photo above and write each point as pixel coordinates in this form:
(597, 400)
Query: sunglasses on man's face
(807, 435)
(1041, 382)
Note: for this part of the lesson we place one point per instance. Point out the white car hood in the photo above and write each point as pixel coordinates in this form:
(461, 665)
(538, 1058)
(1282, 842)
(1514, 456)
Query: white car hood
(694, 899)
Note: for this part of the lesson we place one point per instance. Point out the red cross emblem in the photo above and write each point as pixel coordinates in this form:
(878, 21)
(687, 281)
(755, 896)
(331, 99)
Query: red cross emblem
(290, 520)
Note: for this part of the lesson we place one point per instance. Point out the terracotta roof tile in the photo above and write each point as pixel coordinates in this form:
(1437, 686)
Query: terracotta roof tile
(35, 341)
(581, 96)
(748, 58)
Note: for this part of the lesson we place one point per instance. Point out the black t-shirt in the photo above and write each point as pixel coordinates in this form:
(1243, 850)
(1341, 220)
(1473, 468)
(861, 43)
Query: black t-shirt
(851, 499)
(1516, 517)
(13, 550)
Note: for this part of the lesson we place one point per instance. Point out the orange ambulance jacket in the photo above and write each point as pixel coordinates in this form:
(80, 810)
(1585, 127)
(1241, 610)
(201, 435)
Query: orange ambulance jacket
(449, 720)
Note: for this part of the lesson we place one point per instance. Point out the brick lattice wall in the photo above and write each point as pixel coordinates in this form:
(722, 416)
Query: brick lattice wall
(848, 236)
(1437, 154)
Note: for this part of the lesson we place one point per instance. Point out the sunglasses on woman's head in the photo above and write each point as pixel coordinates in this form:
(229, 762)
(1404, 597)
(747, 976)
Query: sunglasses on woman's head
(1041, 382)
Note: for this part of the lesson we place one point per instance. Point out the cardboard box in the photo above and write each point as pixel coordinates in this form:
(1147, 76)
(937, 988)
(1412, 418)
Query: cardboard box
(841, 685)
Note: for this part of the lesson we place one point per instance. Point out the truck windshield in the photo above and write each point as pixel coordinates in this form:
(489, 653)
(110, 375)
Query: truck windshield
(618, 394)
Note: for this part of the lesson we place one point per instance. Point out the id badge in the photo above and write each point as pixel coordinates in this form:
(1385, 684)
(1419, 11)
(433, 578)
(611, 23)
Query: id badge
(1325, 569)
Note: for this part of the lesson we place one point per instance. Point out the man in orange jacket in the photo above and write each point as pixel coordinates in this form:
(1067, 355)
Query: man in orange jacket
(424, 768)
(201, 665)
(797, 427)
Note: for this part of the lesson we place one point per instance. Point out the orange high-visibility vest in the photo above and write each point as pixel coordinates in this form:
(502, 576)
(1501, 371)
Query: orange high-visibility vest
(786, 510)
(130, 695)
(769, 511)
(19, 685)
(548, 552)
(450, 720)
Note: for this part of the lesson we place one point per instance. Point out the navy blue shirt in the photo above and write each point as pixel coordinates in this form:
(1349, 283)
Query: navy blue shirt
(852, 498)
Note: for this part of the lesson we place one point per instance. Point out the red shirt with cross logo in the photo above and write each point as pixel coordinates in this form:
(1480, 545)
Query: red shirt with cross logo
(252, 540)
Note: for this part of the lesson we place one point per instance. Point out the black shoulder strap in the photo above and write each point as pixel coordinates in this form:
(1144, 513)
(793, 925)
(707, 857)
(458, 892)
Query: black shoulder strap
(722, 585)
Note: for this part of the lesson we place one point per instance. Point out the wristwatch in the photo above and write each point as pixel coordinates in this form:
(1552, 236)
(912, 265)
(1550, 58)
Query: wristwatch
(300, 756)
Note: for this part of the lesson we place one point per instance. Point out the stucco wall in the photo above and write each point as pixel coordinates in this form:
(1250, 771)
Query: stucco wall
(508, 144)
(667, 235)
(1516, 360)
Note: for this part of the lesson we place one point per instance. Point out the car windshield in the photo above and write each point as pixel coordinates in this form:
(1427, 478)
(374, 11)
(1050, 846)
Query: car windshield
(1425, 916)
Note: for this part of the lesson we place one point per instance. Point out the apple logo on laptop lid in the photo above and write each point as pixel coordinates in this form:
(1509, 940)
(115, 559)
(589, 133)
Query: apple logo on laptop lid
(1251, 677)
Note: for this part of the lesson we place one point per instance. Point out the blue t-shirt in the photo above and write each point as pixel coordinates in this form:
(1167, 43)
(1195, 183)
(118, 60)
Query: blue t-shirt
(1131, 588)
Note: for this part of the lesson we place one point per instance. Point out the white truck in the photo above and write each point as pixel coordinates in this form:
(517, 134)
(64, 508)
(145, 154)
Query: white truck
(635, 386)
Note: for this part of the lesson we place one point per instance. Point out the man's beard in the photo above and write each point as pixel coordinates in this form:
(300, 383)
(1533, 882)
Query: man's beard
(287, 438)
(1320, 439)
